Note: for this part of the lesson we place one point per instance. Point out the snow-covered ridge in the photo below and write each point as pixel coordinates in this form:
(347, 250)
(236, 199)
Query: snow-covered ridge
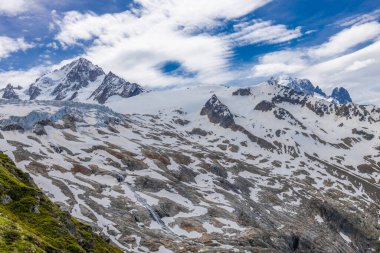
(339, 94)
(76, 81)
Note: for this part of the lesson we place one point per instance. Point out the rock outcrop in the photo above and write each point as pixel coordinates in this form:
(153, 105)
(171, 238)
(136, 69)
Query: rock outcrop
(9, 92)
(218, 113)
(341, 95)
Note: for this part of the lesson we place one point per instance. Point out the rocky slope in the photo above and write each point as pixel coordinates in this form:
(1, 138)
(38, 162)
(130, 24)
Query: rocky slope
(261, 169)
(30, 222)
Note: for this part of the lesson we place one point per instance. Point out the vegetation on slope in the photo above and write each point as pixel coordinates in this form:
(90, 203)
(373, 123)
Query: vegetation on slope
(30, 222)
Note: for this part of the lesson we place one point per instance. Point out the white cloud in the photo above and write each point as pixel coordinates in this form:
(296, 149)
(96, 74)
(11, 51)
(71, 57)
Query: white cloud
(14, 7)
(357, 65)
(282, 62)
(361, 19)
(260, 31)
(9, 45)
(347, 39)
(20, 77)
(133, 43)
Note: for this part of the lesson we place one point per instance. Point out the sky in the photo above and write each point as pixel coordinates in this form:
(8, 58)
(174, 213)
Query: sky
(166, 43)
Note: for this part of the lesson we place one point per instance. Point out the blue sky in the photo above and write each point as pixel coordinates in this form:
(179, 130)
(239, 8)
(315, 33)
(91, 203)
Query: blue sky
(160, 43)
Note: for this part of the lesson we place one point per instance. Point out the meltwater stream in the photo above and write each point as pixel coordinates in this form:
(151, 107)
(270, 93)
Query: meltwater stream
(152, 212)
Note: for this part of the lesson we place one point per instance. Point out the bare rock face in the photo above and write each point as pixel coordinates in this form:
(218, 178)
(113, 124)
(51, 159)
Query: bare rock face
(265, 106)
(242, 92)
(113, 85)
(218, 113)
(341, 95)
(9, 93)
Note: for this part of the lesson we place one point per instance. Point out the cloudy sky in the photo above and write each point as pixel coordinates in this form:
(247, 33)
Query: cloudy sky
(164, 43)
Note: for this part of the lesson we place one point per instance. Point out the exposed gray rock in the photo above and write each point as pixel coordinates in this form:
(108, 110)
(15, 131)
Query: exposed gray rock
(242, 92)
(5, 199)
(39, 129)
(9, 93)
(218, 113)
(265, 106)
(113, 85)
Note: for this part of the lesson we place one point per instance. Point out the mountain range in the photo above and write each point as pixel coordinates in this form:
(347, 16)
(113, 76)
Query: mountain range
(81, 80)
(276, 167)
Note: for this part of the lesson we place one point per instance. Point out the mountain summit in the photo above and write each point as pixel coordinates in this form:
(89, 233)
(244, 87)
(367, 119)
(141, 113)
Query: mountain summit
(340, 95)
(80, 80)
(67, 82)
(113, 85)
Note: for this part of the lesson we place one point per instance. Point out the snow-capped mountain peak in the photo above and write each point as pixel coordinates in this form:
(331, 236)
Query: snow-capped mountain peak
(81, 80)
(341, 95)
(9, 92)
(68, 82)
(114, 85)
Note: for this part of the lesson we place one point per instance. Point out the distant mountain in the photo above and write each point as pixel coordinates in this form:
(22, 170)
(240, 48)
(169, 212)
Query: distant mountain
(80, 80)
(113, 85)
(341, 95)
(9, 92)
(68, 82)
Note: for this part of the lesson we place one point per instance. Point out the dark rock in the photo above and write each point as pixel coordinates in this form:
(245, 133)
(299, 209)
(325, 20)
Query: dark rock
(56, 149)
(364, 134)
(219, 171)
(12, 127)
(302, 85)
(218, 113)
(169, 208)
(319, 91)
(9, 92)
(34, 92)
(242, 92)
(265, 106)
(113, 85)
(185, 174)
(341, 95)
(149, 184)
(39, 129)
(181, 122)
(282, 114)
(198, 131)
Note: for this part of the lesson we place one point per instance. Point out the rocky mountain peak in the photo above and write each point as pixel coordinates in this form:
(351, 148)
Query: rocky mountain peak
(319, 91)
(341, 95)
(114, 85)
(9, 92)
(64, 84)
(218, 113)
(301, 85)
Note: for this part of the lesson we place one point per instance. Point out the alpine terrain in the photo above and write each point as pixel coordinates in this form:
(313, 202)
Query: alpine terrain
(280, 166)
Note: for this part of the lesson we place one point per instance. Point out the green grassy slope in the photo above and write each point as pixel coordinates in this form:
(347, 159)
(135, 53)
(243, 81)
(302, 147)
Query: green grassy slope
(30, 222)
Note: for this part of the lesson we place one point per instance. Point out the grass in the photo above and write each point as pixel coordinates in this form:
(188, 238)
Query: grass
(30, 222)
